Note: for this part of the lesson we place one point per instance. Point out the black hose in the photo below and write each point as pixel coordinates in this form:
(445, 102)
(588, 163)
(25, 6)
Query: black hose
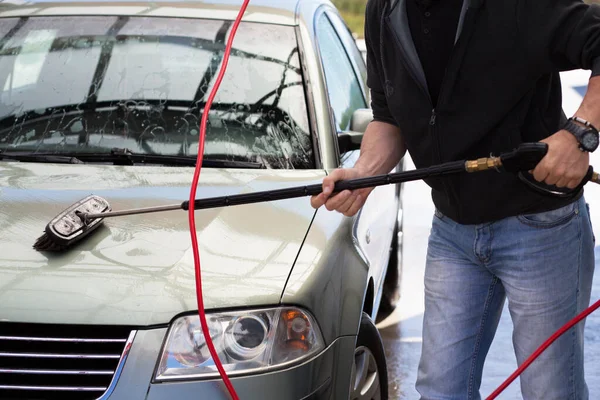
(311, 190)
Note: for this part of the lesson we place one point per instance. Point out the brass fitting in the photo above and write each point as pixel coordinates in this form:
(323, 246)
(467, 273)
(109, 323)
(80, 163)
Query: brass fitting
(483, 164)
(595, 177)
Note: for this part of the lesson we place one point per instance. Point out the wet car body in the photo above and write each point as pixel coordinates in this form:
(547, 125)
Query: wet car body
(90, 81)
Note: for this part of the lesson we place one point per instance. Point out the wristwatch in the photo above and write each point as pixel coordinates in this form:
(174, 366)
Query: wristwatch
(587, 135)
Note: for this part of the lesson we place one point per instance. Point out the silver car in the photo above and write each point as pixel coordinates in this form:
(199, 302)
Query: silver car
(105, 98)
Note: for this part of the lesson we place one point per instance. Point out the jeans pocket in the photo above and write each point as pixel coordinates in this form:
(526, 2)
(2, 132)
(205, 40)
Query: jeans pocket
(587, 206)
(552, 218)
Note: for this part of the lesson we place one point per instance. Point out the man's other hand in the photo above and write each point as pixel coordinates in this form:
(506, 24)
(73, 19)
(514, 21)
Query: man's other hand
(565, 165)
(347, 202)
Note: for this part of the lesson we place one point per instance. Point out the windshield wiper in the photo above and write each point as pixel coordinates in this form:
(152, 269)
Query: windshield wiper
(125, 157)
(118, 156)
(222, 163)
(41, 158)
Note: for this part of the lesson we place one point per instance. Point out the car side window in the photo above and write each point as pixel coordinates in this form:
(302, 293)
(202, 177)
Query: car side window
(351, 47)
(345, 94)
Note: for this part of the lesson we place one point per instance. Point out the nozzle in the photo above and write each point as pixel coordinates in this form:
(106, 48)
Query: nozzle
(483, 164)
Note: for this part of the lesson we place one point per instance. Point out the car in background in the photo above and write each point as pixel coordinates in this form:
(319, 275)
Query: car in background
(105, 98)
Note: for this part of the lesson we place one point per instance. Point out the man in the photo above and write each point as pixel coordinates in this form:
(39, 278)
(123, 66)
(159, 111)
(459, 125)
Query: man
(450, 81)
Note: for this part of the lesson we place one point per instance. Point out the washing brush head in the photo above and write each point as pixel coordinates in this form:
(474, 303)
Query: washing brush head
(71, 226)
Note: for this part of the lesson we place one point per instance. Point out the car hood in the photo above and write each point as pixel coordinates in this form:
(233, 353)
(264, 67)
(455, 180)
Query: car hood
(139, 270)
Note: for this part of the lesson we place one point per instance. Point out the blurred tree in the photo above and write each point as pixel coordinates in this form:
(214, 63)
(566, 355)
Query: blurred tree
(353, 12)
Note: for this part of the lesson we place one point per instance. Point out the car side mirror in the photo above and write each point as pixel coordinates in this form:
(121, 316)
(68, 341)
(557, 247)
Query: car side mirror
(351, 140)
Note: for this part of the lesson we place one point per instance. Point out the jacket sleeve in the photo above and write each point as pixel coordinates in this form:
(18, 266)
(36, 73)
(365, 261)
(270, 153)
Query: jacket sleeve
(375, 76)
(564, 34)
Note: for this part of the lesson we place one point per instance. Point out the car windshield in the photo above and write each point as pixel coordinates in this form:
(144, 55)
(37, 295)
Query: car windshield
(89, 84)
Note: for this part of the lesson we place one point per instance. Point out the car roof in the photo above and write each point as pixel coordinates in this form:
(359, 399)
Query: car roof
(266, 11)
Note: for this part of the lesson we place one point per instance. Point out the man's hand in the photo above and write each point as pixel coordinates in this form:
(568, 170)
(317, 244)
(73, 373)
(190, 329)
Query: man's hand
(347, 202)
(565, 165)
(381, 150)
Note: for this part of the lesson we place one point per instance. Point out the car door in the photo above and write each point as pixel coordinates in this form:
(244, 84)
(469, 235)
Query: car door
(345, 76)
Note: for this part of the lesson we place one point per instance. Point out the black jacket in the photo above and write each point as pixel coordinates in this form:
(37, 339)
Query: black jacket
(502, 88)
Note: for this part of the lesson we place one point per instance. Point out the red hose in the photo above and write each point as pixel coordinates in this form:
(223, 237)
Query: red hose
(542, 348)
(191, 213)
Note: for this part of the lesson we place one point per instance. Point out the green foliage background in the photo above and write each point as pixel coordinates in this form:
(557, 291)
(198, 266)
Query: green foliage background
(353, 12)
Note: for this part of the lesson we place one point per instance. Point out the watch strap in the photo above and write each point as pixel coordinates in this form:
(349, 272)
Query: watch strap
(584, 122)
(582, 133)
(576, 130)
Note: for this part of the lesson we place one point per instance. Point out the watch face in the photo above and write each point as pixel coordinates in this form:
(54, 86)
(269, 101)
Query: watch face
(590, 141)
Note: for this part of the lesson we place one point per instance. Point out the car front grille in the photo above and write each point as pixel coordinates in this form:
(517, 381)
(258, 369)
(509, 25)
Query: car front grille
(67, 362)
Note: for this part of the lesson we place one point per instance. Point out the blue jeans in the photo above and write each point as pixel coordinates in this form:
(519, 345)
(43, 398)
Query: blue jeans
(543, 264)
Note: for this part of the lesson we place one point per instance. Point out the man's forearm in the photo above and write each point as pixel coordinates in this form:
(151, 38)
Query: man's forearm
(590, 107)
(381, 150)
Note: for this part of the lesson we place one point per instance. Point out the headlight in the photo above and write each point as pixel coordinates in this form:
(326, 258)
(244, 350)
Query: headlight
(246, 341)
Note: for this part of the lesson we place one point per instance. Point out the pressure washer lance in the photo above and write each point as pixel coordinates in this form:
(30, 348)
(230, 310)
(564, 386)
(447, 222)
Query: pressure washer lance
(82, 218)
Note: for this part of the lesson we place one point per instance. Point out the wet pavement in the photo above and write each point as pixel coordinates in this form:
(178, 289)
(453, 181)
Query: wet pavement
(402, 330)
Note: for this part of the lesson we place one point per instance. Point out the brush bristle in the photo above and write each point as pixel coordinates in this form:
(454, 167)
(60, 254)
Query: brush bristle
(45, 243)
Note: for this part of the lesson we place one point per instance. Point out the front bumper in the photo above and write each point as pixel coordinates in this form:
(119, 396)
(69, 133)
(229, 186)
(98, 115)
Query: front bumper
(326, 376)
